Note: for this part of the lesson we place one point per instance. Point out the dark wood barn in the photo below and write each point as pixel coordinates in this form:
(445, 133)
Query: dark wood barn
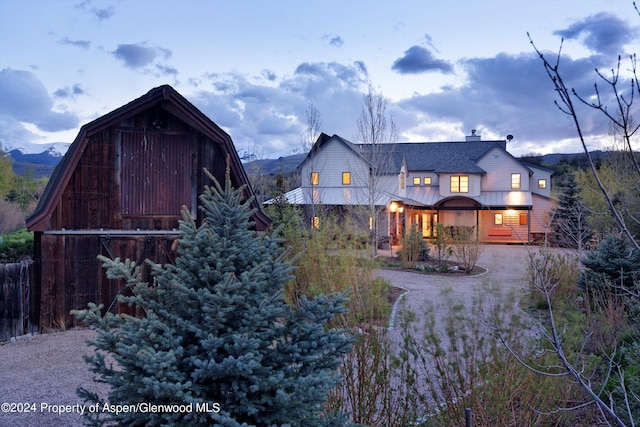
(118, 192)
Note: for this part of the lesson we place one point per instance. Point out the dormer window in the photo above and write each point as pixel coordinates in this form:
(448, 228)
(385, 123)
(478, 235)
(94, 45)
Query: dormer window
(460, 183)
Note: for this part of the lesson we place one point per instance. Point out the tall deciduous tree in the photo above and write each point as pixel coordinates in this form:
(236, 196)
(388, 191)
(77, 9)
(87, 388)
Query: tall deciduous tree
(216, 330)
(617, 408)
(377, 133)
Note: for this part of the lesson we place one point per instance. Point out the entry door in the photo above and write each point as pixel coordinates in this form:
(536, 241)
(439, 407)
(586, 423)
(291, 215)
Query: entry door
(427, 225)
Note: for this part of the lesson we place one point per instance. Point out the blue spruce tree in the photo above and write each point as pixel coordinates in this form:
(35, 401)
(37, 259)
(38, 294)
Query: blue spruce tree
(217, 341)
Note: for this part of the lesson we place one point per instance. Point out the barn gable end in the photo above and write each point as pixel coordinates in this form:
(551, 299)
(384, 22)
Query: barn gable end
(119, 191)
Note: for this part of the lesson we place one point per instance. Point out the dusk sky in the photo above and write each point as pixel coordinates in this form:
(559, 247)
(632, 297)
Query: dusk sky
(254, 66)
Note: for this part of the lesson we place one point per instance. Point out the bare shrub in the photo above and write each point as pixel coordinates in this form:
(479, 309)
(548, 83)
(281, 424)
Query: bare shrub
(11, 217)
(413, 248)
(467, 248)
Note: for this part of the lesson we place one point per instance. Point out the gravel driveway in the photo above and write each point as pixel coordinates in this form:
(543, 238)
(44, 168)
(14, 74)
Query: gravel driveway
(41, 373)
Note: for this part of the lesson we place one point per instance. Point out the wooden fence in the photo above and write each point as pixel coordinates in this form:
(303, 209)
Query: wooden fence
(19, 300)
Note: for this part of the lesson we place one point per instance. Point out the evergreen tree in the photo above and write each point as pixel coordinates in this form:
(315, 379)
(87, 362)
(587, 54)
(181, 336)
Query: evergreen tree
(282, 213)
(614, 265)
(570, 219)
(216, 330)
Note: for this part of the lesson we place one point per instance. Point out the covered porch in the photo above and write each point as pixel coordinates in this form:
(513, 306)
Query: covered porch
(491, 224)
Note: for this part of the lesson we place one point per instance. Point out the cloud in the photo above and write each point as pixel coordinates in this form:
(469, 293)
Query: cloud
(83, 44)
(417, 60)
(101, 14)
(69, 92)
(269, 75)
(167, 71)
(336, 41)
(272, 113)
(24, 99)
(507, 94)
(138, 55)
(603, 33)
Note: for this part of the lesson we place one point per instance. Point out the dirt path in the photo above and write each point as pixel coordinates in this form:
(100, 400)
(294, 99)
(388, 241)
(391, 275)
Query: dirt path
(39, 372)
(506, 268)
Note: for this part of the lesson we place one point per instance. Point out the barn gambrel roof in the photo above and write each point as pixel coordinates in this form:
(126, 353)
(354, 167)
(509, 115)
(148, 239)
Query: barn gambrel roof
(168, 99)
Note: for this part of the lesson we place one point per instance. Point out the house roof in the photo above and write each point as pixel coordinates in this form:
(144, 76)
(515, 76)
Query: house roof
(440, 157)
(175, 104)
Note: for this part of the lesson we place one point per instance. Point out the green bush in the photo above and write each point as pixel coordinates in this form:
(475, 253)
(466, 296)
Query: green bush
(15, 245)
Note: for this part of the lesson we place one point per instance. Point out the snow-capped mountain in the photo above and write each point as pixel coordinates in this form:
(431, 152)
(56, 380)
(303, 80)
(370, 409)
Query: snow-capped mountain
(41, 159)
(55, 149)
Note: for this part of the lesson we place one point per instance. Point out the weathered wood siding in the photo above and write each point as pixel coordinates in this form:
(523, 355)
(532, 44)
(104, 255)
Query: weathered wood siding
(127, 179)
(19, 300)
(72, 276)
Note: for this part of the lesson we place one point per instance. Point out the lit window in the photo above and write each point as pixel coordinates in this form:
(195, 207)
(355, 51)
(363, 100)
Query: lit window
(402, 180)
(497, 219)
(346, 178)
(515, 180)
(315, 178)
(315, 222)
(459, 183)
(542, 183)
(427, 180)
(416, 180)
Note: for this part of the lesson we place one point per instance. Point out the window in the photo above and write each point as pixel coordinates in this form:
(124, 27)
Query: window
(402, 180)
(315, 222)
(416, 180)
(346, 178)
(515, 180)
(523, 219)
(497, 219)
(542, 183)
(315, 178)
(427, 180)
(459, 183)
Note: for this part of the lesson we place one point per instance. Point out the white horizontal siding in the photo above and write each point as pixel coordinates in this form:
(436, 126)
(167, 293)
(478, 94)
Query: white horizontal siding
(499, 166)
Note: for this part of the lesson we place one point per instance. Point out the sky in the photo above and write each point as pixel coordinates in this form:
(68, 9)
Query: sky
(255, 67)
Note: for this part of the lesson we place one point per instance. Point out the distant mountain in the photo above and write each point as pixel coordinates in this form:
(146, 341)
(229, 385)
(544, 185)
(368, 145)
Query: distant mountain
(274, 166)
(42, 164)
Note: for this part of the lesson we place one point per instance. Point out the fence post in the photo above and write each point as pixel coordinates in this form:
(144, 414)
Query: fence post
(467, 417)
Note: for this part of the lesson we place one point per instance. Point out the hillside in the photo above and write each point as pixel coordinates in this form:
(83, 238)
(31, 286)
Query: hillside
(45, 162)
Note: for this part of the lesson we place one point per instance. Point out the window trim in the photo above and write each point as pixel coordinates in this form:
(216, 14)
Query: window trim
(516, 181)
(524, 219)
(346, 178)
(459, 180)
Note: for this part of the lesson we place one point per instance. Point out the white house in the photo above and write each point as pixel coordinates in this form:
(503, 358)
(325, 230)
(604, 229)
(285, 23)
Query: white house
(471, 183)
